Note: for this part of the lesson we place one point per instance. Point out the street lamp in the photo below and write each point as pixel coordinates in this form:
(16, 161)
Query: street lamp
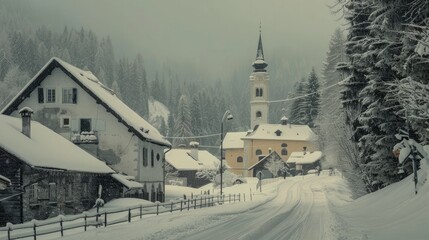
(226, 116)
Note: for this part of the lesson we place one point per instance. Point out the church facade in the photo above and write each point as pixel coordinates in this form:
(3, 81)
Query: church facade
(244, 149)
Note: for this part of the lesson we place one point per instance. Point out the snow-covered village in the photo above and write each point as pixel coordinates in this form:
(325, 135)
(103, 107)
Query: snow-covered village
(246, 119)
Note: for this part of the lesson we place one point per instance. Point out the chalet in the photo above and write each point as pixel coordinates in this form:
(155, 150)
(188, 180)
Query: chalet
(303, 161)
(187, 162)
(48, 174)
(261, 166)
(75, 104)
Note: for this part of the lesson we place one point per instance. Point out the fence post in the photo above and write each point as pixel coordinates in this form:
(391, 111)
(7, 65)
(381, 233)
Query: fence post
(205, 201)
(171, 209)
(61, 225)
(195, 203)
(157, 208)
(96, 217)
(234, 197)
(105, 219)
(129, 214)
(230, 198)
(201, 202)
(85, 223)
(34, 231)
(181, 205)
(188, 203)
(8, 233)
(212, 201)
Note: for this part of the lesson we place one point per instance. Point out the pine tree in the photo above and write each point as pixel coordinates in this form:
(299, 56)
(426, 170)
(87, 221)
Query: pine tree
(182, 126)
(297, 111)
(312, 99)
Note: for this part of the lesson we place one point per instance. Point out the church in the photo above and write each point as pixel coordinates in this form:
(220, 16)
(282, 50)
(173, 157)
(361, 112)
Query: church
(242, 150)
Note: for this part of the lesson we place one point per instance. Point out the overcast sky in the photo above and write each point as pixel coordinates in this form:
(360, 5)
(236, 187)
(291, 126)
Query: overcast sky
(212, 36)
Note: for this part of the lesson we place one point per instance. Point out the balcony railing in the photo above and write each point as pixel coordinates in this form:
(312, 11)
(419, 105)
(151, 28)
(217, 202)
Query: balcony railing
(84, 137)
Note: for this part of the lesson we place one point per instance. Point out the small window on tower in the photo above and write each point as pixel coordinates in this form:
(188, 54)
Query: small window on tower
(258, 114)
(239, 159)
(257, 92)
(261, 92)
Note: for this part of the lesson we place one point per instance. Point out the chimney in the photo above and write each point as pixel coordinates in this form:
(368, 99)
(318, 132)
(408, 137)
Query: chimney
(270, 150)
(194, 150)
(26, 120)
(284, 120)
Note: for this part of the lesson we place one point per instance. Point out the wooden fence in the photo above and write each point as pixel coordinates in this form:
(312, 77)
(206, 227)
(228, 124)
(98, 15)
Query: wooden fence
(102, 218)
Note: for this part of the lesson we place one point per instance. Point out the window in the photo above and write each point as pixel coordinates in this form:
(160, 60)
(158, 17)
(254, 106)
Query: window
(32, 193)
(239, 159)
(261, 92)
(85, 190)
(52, 192)
(258, 114)
(258, 152)
(284, 151)
(85, 125)
(69, 191)
(50, 94)
(144, 157)
(67, 96)
(65, 122)
(43, 192)
(284, 145)
(158, 157)
(257, 92)
(305, 149)
(152, 159)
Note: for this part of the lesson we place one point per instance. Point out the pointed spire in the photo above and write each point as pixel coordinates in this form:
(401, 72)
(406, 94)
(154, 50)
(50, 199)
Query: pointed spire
(260, 63)
(260, 51)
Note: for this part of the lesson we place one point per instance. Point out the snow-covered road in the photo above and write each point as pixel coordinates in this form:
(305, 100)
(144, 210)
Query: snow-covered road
(298, 211)
(295, 208)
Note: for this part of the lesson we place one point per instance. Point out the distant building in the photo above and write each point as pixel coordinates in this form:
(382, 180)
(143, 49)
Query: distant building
(245, 149)
(303, 161)
(76, 105)
(187, 162)
(260, 166)
(48, 174)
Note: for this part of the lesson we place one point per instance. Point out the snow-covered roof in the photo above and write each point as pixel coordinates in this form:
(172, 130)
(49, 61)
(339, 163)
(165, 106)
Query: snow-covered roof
(101, 93)
(301, 158)
(126, 181)
(288, 132)
(273, 154)
(233, 140)
(181, 159)
(38, 152)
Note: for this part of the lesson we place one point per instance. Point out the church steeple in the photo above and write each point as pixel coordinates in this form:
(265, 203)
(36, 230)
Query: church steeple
(259, 88)
(259, 65)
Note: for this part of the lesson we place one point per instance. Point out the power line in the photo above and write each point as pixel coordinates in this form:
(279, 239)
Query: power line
(201, 136)
(302, 96)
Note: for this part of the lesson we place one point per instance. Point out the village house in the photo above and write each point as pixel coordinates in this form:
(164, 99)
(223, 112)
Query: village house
(76, 105)
(260, 167)
(187, 162)
(303, 161)
(245, 149)
(48, 175)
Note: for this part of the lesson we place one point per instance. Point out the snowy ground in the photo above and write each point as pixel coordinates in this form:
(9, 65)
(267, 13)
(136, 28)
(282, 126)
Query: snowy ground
(310, 207)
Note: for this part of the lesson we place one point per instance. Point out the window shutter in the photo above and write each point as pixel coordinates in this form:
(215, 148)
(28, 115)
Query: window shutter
(74, 98)
(40, 95)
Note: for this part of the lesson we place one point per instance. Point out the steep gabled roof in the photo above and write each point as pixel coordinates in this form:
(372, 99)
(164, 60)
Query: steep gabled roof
(273, 154)
(103, 95)
(181, 159)
(38, 151)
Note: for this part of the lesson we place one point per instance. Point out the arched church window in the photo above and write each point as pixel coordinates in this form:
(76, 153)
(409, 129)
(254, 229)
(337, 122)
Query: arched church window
(239, 159)
(261, 92)
(258, 114)
(284, 145)
(257, 92)
(258, 152)
(284, 151)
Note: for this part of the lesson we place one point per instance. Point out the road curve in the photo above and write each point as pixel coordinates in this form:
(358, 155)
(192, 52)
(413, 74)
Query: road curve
(299, 211)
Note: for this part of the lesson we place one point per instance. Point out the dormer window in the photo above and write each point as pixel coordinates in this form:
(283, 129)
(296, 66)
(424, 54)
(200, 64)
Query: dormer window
(278, 133)
(258, 152)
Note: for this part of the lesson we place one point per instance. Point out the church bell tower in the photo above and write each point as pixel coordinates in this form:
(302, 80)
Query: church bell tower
(259, 88)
